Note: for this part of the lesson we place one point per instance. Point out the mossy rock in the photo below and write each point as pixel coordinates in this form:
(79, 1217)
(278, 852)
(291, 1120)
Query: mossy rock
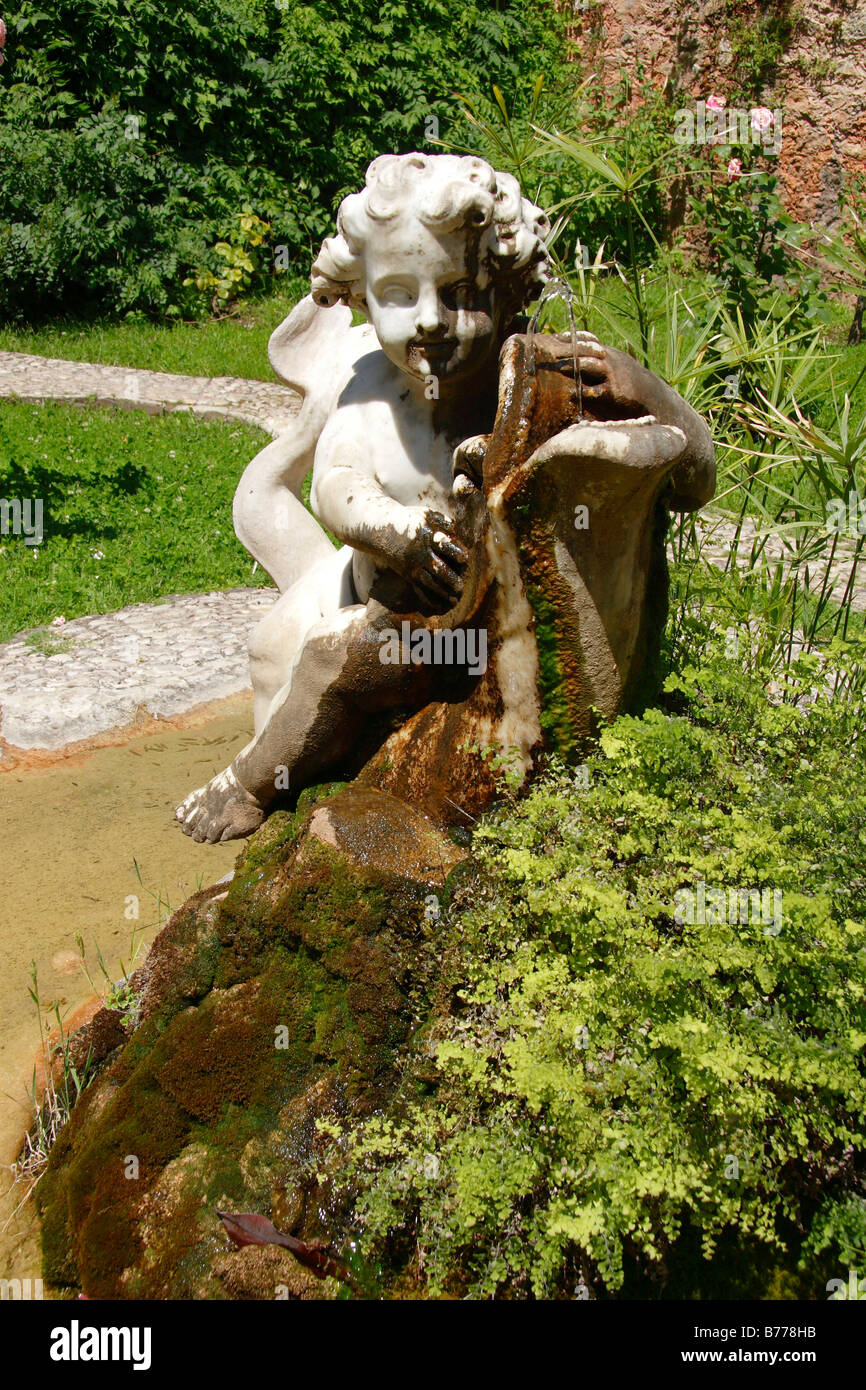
(289, 996)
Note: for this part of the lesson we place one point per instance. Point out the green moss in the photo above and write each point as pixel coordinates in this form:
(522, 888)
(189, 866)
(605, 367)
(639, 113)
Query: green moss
(309, 950)
(759, 41)
(556, 716)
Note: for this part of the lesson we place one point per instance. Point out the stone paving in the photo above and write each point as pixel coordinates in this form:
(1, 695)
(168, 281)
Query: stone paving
(717, 540)
(40, 379)
(59, 685)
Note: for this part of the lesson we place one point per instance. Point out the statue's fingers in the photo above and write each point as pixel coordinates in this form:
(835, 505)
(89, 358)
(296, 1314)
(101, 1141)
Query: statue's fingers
(441, 569)
(594, 366)
(450, 549)
(441, 580)
(429, 588)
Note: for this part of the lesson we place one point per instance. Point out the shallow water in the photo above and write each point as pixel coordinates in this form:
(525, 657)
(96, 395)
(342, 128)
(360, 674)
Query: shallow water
(71, 835)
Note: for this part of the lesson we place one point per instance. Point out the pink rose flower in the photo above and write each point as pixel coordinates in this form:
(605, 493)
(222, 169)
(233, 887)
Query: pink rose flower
(761, 118)
(2, 33)
(716, 103)
(735, 169)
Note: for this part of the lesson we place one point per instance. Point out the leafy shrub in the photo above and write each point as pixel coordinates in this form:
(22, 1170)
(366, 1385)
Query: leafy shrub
(564, 144)
(615, 1093)
(752, 248)
(132, 135)
(239, 269)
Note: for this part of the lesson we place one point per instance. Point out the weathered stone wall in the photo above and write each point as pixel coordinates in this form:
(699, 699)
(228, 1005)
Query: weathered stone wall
(707, 46)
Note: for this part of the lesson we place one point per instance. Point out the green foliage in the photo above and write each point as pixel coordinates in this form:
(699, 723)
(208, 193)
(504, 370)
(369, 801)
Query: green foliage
(135, 507)
(239, 264)
(758, 41)
(132, 135)
(844, 250)
(595, 159)
(116, 994)
(612, 1090)
(51, 1104)
(752, 247)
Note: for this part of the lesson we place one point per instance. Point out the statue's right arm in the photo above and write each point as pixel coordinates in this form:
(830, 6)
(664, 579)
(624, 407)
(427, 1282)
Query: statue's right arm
(348, 497)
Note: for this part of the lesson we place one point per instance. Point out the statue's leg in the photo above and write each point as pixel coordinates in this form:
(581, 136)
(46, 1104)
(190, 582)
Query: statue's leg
(278, 639)
(337, 685)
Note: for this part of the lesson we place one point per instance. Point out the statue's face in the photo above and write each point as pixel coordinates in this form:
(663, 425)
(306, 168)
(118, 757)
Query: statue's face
(424, 301)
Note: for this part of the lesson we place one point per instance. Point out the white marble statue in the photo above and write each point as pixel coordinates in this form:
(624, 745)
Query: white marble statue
(438, 252)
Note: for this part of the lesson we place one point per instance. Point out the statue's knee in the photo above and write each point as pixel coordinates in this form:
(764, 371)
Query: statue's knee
(332, 649)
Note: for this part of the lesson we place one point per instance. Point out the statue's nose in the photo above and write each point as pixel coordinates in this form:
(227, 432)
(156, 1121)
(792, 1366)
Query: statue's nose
(428, 316)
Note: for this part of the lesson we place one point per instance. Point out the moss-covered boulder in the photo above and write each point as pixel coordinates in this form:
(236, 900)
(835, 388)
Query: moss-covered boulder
(289, 996)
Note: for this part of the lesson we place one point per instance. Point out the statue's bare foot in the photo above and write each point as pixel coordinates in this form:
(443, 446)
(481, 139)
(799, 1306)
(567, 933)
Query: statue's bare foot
(223, 810)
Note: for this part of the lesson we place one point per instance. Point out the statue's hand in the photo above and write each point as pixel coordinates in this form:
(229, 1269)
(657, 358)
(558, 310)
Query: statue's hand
(430, 556)
(619, 384)
(606, 375)
(468, 458)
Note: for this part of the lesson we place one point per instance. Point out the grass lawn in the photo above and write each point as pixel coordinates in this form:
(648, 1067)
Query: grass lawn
(236, 346)
(135, 507)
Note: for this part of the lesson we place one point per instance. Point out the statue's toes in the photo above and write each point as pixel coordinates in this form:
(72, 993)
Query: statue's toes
(187, 809)
(192, 816)
(211, 814)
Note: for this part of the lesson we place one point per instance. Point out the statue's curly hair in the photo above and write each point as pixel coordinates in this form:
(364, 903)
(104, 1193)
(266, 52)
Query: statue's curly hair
(445, 192)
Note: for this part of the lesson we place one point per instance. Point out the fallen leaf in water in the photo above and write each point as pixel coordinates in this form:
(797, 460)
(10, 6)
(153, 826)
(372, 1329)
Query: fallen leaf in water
(251, 1229)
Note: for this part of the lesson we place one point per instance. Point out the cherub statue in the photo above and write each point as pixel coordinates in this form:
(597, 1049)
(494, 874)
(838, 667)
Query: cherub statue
(439, 253)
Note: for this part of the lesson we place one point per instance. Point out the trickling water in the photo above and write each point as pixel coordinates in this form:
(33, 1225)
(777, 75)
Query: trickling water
(556, 289)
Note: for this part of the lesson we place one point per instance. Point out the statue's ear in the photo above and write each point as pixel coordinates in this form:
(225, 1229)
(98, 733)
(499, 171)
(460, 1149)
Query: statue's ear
(299, 348)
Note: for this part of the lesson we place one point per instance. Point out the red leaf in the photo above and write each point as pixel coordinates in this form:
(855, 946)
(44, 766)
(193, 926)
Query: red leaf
(251, 1229)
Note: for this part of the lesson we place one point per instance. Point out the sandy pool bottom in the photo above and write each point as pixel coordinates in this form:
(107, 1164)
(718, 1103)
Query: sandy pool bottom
(71, 836)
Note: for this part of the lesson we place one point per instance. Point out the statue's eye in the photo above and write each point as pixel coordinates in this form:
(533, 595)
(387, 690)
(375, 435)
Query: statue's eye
(460, 296)
(398, 296)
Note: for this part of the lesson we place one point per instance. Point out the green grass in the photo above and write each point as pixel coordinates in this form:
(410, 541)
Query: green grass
(236, 346)
(850, 372)
(136, 507)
